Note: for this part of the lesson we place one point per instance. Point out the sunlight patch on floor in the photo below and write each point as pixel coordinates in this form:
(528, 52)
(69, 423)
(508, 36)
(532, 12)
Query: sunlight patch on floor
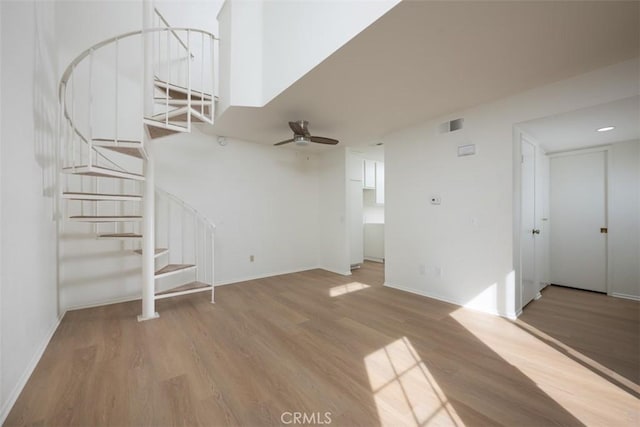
(565, 380)
(336, 291)
(405, 392)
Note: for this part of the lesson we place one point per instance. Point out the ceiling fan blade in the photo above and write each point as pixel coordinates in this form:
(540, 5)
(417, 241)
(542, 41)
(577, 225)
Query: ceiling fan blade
(323, 140)
(299, 128)
(283, 142)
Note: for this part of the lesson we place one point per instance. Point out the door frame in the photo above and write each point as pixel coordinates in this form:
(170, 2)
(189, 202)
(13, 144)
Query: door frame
(518, 136)
(524, 138)
(608, 159)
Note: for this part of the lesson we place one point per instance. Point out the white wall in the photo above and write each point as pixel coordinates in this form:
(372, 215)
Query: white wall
(301, 34)
(95, 21)
(462, 250)
(333, 230)
(240, 26)
(29, 311)
(624, 219)
(263, 201)
(373, 213)
(266, 45)
(97, 271)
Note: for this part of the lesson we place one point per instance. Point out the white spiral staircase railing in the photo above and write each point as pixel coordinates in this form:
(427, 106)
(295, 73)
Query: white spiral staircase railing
(105, 156)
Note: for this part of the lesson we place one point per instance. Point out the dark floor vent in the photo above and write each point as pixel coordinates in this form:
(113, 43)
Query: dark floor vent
(451, 125)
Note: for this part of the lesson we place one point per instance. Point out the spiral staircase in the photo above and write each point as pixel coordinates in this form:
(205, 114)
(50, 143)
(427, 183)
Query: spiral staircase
(111, 115)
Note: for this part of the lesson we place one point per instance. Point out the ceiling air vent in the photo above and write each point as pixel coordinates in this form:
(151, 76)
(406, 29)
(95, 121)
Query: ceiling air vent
(451, 125)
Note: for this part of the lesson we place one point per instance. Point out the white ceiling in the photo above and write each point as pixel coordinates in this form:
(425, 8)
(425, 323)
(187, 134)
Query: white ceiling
(425, 59)
(577, 129)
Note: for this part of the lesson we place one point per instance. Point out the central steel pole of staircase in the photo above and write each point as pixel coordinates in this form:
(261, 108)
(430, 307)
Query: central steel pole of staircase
(148, 232)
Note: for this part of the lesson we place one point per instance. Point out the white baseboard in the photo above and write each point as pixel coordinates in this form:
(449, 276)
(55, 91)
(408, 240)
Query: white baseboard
(511, 316)
(330, 270)
(223, 283)
(104, 302)
(22, 381)
(374, 259)
(626, 296)
(262, 276)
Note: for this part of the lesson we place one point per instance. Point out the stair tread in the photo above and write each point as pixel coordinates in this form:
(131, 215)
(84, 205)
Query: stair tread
(105, 216)
(176, 91)
(157, 251)
(73, 193)
(121, 235)
(173, 267)
(125, 141)
(158, 131)
(186, 287)
(160, 100)
(198, 115)
(123, 146)
(101, 172)
(129, 151)
(159, 116)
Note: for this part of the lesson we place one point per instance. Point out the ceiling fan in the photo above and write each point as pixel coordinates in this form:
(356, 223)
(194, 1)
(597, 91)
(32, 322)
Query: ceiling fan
(301, 135)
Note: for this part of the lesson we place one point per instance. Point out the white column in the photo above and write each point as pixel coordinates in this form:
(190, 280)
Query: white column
(148, 226)
(148, 242)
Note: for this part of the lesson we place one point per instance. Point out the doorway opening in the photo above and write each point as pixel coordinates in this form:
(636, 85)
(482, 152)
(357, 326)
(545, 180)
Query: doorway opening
(367, 201)
(577, 204)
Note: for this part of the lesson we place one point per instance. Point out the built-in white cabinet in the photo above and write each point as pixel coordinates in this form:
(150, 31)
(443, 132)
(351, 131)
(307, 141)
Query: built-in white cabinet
(373, 178)
(369, 174)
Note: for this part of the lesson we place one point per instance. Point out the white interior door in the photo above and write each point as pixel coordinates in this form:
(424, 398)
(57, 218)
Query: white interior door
(530, 287)
(578, 212)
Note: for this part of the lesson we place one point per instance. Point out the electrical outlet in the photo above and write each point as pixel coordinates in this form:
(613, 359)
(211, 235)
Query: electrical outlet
(423, 269)
(251, 258)
(438, 272)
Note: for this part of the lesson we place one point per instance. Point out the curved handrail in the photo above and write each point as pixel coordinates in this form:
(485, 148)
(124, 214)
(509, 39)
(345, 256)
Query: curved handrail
(78, 59)
(187, 206)
(196, 242)
(67, 72)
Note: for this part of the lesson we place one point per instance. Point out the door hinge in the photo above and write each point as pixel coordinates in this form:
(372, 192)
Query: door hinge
(604, 230)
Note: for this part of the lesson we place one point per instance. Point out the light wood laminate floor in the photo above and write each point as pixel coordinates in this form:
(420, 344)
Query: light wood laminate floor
(345, 348)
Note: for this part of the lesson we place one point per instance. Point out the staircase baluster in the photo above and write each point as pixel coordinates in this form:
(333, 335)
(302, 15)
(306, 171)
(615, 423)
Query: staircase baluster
(73, 110)
(90, 112)
(168, 223)
(213, 76)
(189, 80)
(182, 233)
(166, 113)
(95, 204)
(116, 69)
(202, 76)
(211, 266)
(195, 242)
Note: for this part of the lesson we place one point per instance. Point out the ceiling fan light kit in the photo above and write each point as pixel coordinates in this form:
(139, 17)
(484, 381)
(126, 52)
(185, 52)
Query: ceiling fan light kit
(301, 135)
(301, 140)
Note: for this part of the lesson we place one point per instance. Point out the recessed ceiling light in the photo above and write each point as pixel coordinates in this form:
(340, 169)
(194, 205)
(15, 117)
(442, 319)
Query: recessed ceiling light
(605, 129)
